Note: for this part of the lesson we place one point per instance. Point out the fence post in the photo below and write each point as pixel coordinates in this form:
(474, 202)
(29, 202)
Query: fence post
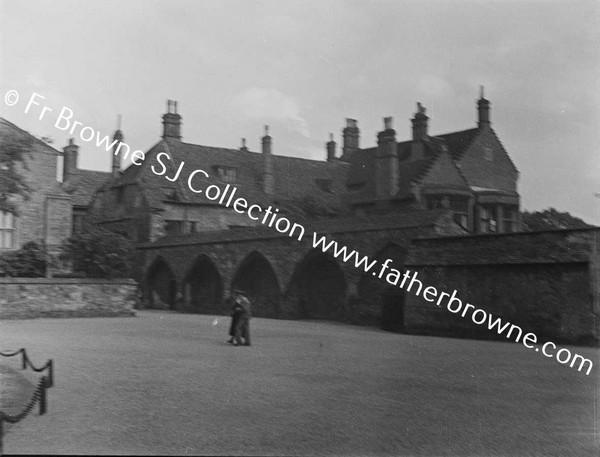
(50, 373)
(23, 359)
(43, 405)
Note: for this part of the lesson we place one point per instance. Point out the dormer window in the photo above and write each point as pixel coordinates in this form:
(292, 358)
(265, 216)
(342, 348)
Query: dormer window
(226, 174)
(170, 193)
(326, 185)
(488, 154)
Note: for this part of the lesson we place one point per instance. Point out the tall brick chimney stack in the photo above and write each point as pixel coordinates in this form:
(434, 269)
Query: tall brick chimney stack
(171, 122)
(330, 148)
(268, 178)
(386, 162)
(483, 109)
(419, 133)
(419, 123)
(350, 138)
(70, 153)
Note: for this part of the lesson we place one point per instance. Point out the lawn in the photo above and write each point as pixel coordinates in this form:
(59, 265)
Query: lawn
(166, 383)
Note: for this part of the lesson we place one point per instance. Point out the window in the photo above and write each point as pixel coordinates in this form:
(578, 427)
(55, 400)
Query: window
(438, 202)
(510, 220)
(120, 194)
(488, 222)
(77, 223)
(326, 185)
(174, 227)
(226, 174)
(488, 153)
(7, 230)
(462, 219)
(484, 218)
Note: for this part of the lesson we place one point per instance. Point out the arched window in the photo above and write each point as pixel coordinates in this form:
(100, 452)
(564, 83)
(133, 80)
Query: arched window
(7, 230)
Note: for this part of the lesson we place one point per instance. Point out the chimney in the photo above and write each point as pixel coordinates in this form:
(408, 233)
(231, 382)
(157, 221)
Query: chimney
(70, 153)
(171, 122)
(483, 108)
(419, 124)
(243, 147)
(268, 179)
(351, 137)
(116, 156)
(330, 148)
(386, 162)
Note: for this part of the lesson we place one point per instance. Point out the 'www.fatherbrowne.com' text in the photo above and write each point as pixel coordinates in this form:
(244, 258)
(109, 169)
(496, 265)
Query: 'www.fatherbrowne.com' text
(408, 281)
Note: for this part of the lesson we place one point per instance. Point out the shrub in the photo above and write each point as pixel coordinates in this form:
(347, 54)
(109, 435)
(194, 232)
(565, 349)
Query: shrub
(27, 262)
(99, 253)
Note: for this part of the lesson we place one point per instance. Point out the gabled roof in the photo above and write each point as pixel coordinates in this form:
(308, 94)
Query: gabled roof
(83, 184)
(361, 178)
(458, 142)
(294, 178)
(7, 128)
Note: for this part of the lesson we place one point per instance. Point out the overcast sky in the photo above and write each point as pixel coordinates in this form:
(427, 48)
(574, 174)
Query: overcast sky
(304, 66)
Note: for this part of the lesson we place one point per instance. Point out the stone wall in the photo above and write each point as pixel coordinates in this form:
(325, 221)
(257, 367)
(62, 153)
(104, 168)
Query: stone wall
(26, 298)
(544, 282)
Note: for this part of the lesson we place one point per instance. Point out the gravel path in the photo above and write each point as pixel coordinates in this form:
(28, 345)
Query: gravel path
(166, 383)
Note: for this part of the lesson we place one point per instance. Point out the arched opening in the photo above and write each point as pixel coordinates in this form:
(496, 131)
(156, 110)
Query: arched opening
(381, 302)
(203, 287)
(318, 288)
(161, 286)
(257, 277)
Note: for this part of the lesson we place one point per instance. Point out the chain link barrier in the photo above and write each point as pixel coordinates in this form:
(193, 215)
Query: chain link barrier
(39, 395)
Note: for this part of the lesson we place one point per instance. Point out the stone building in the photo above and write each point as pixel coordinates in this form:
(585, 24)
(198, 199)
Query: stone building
(146, 206)
(52, 210)
(467, 171)
(45, 215)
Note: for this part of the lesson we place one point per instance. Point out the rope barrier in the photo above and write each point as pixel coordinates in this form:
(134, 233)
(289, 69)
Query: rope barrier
(39, 395)
(10, 354)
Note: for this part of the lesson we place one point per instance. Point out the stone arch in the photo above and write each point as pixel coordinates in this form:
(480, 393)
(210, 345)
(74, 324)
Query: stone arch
(161, 285)
(256, 276)
(203, 287)
(318, 288)
(381, 303)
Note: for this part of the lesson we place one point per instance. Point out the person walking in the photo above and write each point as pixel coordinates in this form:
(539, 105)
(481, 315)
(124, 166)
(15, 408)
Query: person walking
(242, 328)
(236, 310)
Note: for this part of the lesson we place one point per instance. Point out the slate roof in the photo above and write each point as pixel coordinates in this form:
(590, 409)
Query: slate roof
(458, 142)
(409, 171)
(7, 127)
(406, 220)
(294, 178)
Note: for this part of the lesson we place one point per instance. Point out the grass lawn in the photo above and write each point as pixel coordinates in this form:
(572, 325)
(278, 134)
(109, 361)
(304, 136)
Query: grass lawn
(165, 383)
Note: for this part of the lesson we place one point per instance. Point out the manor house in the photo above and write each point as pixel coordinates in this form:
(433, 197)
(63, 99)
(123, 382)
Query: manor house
(468, 172)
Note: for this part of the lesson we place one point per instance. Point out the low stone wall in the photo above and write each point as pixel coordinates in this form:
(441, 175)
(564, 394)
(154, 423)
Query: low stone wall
(27, 298)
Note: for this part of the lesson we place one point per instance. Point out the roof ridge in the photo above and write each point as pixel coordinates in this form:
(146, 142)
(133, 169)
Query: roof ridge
(19, 129)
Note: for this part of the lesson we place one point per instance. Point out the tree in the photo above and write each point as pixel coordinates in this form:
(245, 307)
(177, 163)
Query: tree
(99, 253)
(13, 151)
(551, 219)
